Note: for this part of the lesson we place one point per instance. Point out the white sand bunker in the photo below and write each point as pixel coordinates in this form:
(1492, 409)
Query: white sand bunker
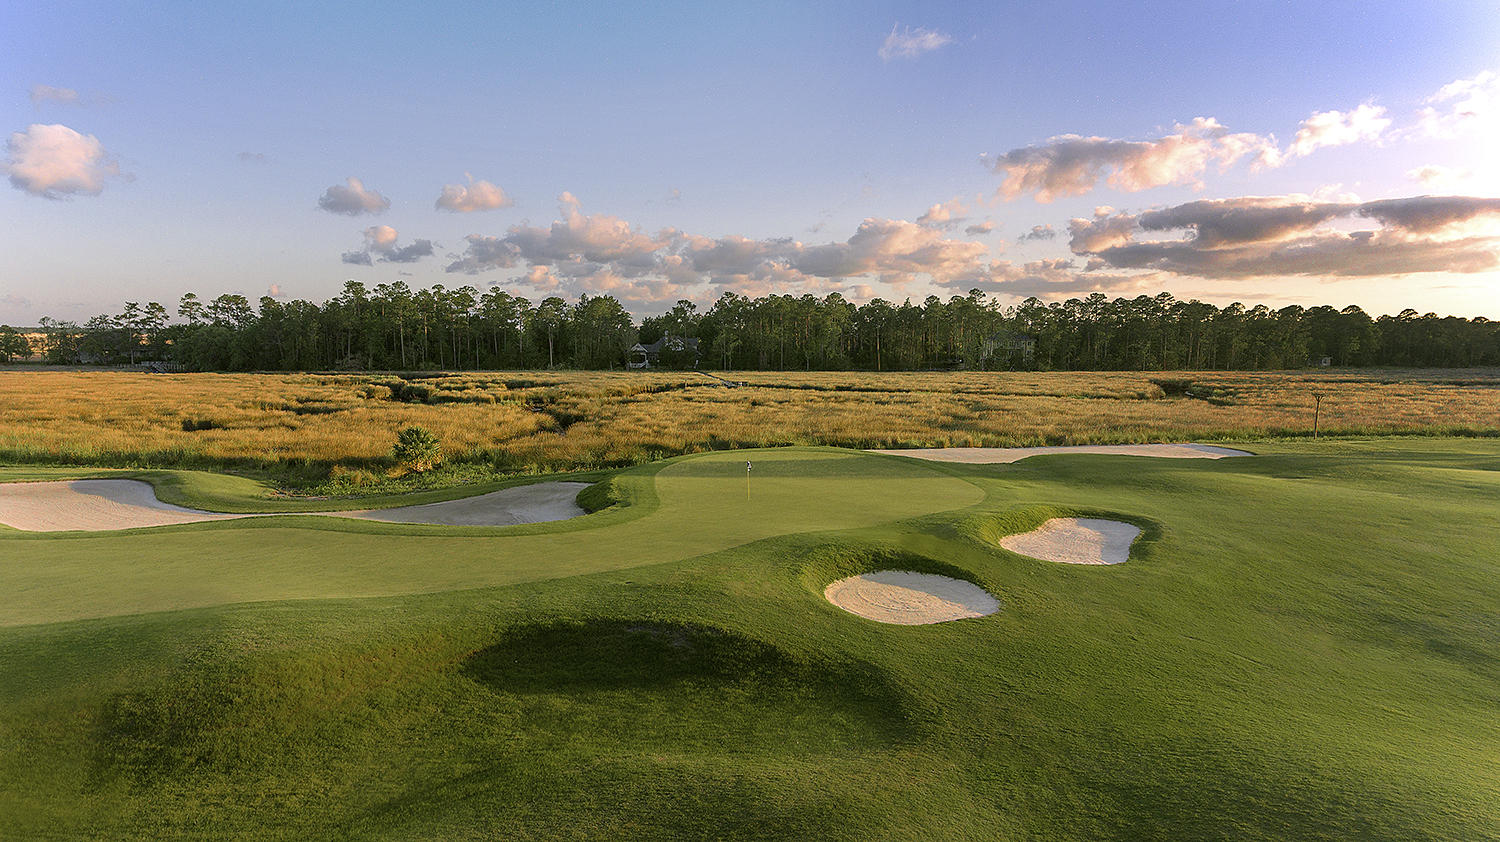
(107, 504)
(1076, 540)
(535, 503)
(910, 599)
(1001, 455)
(92, 504)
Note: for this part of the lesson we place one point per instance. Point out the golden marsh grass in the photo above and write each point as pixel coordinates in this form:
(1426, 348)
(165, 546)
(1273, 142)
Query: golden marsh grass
(528, 421)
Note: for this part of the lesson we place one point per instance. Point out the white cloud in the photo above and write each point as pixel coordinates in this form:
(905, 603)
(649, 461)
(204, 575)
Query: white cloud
(597, 238)
(945, 215)
(1104, 230)
(380, 237)
(1071, 165)
(541, 279)
(353, 199)
(1439, 177)
(893, 249)
(474, 196)
(905, 42)
(55, 161)
(48, 93)
(1038, 233)
(980, 228)
(1463, 106)
(1339, 128)
(381, 240)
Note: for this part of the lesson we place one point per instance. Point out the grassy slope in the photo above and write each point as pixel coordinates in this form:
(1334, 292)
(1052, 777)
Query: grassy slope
(1304, 647)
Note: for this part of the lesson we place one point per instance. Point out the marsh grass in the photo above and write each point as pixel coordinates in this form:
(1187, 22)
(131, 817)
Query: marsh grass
(334, 431)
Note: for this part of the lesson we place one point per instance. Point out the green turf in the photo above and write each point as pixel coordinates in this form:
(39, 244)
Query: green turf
(1306, 644)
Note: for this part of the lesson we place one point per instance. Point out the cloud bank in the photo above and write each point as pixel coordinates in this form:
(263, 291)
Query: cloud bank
(598, 253)
(1071, 165)
(1277, 236)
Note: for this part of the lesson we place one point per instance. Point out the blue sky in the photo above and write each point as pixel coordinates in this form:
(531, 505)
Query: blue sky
(752, 147)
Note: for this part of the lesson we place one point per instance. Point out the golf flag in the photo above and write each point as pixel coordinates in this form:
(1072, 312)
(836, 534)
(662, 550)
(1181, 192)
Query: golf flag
(747, 466)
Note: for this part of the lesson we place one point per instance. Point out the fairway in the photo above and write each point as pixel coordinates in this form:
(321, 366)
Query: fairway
(1302, 645)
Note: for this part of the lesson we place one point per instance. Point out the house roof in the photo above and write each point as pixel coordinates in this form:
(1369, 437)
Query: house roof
(688, 343)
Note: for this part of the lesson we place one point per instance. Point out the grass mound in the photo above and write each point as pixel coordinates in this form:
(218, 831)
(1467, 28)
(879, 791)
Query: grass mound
(830, 563)
(603, 494)
(646, 680)
(990, 528)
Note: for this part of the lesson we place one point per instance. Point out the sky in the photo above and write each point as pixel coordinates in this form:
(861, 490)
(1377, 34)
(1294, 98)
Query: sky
(1264, 152)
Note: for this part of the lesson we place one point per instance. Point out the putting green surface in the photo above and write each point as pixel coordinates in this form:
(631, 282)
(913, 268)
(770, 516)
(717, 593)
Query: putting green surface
(705, 504)
(1305, 644)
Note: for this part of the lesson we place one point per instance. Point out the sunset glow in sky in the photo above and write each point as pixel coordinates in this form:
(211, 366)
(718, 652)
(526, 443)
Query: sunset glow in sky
(1279, 153)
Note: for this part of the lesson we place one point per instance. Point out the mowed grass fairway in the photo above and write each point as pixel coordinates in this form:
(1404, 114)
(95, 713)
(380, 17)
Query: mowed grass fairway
(1305, 644)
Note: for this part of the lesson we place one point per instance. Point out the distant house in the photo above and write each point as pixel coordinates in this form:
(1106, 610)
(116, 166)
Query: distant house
(669, 351)
(1007, 349)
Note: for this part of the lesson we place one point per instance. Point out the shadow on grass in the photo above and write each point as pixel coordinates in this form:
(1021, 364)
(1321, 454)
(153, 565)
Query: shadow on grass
(692, 672)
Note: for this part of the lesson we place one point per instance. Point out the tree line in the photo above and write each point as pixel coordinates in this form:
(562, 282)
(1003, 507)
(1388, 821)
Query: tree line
(395, 327)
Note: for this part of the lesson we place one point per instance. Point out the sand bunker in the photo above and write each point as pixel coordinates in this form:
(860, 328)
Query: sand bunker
(536, 503)
(97, 505)
(91, 504)
(1000, 455)
(1076, 540)
(910, 599)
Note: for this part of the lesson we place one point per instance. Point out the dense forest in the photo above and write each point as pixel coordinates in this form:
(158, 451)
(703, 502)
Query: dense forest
(395, 327)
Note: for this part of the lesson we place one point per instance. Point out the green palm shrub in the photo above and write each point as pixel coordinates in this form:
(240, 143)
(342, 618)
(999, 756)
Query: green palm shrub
(417, 449)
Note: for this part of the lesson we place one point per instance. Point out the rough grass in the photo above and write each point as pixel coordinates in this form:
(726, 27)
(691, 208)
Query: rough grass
(1307, 650)
(332, 434)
